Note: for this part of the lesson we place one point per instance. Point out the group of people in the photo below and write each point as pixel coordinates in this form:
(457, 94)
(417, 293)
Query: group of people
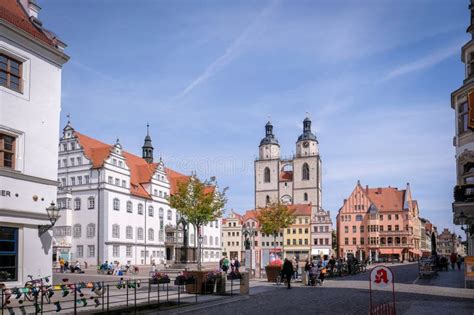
(442, 262)
(225, 263)
(65, 266)
(116, 269)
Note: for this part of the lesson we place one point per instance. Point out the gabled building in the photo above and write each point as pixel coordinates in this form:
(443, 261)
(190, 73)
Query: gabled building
(31, 62)
(232, 241)
(297, 237)
(114, 207)
(379, 223)
(321, 234)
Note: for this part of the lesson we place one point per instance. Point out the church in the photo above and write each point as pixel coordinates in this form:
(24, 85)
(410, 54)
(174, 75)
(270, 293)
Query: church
(295, 181)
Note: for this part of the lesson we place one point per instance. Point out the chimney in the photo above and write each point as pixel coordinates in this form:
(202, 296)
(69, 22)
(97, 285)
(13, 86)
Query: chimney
(33, 9)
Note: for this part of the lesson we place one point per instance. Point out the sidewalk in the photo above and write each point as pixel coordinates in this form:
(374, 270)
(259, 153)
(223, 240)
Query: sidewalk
(448, 279)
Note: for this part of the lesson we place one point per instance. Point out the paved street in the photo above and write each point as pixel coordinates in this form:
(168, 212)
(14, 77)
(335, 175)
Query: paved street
(348, 295)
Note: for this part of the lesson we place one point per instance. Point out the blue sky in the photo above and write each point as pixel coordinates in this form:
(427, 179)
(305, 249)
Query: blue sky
(375, 77)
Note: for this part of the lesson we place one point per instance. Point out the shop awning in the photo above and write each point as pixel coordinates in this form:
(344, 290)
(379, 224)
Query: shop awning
(390, 251)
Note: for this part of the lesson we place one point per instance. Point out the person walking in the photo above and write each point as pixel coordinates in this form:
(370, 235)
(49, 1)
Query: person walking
(236, 264)
(225, 265)
(453, 259)
(288, 271)
(61, 265)
(307, 268)
(294, 262)
(459, 261)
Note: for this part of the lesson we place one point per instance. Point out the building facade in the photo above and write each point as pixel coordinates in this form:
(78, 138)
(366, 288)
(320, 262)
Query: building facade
(462, 102)
(296, 180)
(321, 234)
(115, 207)
(379, 223)
(31, 61)
(448, 243)
(297, 237)
(232, 244)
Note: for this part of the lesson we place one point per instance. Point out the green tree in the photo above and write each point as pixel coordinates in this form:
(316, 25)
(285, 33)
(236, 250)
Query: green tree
(275, 217)
(200, 203)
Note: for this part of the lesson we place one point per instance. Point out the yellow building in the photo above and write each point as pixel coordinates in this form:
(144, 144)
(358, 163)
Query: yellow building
(297, 237)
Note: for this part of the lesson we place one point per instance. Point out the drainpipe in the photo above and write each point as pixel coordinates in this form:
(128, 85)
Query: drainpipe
(145, 233)
(98, 217)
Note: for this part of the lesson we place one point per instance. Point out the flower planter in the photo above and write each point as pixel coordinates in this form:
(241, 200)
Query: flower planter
(272, 273)
(202, 284)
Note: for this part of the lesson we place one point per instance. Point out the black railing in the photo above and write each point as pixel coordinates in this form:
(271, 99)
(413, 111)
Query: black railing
(464, 193)
(105, 296)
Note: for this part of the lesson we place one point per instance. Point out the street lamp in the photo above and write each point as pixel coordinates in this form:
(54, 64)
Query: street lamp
(53, 215)
(200, 238)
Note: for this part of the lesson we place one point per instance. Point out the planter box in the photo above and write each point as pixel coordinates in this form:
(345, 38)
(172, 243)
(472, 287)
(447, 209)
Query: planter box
(200, 286)
(272, 273)
(184, 281)
(160, 281)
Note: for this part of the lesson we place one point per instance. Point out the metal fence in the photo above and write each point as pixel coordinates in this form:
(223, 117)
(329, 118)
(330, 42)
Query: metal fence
(108, 296)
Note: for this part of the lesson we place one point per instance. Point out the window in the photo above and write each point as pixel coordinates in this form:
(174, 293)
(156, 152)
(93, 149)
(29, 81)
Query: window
(116, 250)
(110, 180)
(300, 230)
(117, 182)
(140, 234)
(346, 229)
(326, 241)
(326, 228)
(381, 217)
(211, 224)
(77, 204)
(362, 229)
(305, 196)
(124, 184)
(116, 204)
(128, 251)
(211, 240)
(120, 163)
(90, 202)
(389, 228)
(169, 216)
(315, 241)
(305, 172)
(397, 228)
(217, 240)
(129, 232)
(306, 241)
(354, 229)
(389, 217)
(72, 161)
(90, 250)
(294, 241)
(463, 117)
(76, 231)
(140, 209)
(396, 217)
(362, 241)
(266, 175)
(73, 181)
(346, 241)
(160, 212)
(129, 207)
(358, 217)
(79, 160)
(354, 241)
(267, 199)
(79, 180)
(90, 230)
(151, 212)
(80, 251)
(115, 231)
(114, 161)
(306, 230)
(10, 73)
(9, 253)
(381, 228)
(64, 163)
(300, 241)
(151, 234)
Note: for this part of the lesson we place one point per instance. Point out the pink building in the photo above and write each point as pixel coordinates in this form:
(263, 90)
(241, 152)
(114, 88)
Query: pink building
(379, 223)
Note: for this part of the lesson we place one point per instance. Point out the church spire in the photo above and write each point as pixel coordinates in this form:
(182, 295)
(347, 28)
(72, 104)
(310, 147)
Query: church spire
(147, 149)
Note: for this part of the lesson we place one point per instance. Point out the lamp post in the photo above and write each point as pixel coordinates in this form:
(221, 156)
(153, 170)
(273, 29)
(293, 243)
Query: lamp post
(53, 215)
(200, 250)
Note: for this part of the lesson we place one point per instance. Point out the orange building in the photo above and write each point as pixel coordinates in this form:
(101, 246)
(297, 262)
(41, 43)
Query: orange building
(379, 224)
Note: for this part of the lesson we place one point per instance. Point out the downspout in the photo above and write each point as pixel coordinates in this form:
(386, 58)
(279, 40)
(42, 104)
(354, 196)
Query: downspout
(98, 217)
(145, 233)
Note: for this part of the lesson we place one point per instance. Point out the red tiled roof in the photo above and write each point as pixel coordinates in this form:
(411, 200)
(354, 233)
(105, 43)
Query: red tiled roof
(250, 215)
(141, 172)
(286, 176)
(301, 209)
(13, 12)
(389, 199)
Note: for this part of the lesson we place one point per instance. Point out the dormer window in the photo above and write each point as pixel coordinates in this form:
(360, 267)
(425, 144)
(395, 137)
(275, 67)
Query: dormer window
(463, 114)
(10, 73)
(471, 64)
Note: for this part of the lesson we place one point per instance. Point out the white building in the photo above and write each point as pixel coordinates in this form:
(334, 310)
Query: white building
(115, 206)
(31, 59)
(321, 234)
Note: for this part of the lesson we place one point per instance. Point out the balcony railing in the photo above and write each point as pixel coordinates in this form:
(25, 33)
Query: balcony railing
(464, 193)
(395, 232)
(396, 245)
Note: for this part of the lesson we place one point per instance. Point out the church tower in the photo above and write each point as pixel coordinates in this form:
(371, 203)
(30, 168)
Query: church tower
(147, 149)
(267, 169)
(307, 169)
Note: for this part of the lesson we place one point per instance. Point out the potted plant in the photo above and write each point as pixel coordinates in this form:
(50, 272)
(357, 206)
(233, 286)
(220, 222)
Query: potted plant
(210, 281)
(184, 279)
(160, 277)
(273, 270)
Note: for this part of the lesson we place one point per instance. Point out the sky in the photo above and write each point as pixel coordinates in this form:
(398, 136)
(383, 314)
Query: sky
(375, 77)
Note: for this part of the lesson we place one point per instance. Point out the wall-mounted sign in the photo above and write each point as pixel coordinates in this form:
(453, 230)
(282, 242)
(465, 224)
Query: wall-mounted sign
(5, 193)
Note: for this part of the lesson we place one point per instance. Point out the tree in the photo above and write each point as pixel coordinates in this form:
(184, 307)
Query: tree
(200, 203)
(275, 217)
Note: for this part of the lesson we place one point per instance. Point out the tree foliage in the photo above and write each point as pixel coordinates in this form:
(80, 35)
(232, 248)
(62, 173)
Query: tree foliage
(199, 202)
(274, 217)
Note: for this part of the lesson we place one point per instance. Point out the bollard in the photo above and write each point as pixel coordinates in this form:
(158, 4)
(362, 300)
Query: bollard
(108, 297)
(103, 288)
(244, 283)
(126, 283)
(75, 300)
(304, 278)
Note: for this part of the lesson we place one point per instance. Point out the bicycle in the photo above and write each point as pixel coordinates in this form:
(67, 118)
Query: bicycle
(36, 288)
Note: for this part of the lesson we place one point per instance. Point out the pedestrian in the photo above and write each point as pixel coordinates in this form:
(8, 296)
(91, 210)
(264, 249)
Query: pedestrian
(236, 264)
(61, 265)
(459, 261)
(332, 264)
(307, 268)
(225, 265)
(66, 266)
(288, 271)
(294, 263)
(453, 259)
